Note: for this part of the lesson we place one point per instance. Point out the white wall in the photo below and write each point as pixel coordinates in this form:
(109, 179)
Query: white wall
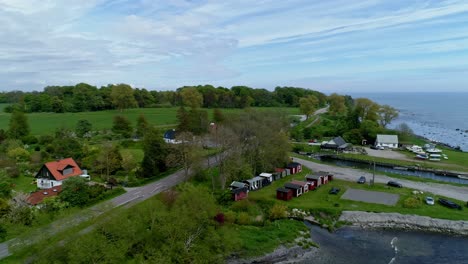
(46, 183)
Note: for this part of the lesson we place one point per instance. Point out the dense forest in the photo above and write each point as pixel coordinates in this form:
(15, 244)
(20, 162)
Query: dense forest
(84, 97)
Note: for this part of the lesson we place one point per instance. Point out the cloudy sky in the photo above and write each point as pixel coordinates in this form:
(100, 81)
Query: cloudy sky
(335, 45)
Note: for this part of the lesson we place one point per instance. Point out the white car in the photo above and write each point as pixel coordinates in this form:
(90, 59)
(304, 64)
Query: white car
(429, 200)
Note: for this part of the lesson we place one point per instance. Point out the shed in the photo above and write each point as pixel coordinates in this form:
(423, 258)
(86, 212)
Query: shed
(276, 176)
(305, 185)
(296, 189)
(326, 176)
(284, 194)
(316, 179)
(267, 176)
(294, 167)
(236, 185)
(282, 171)
(255, 183)
(239, 193)
(387, 141)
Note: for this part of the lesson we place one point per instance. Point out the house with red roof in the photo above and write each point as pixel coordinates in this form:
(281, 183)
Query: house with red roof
(53, 173)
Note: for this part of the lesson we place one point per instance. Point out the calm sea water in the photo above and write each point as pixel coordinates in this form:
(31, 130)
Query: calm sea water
(356, 246)
(441, 117)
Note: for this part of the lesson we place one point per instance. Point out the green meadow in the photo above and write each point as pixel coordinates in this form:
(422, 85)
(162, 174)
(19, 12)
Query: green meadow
(45, 123)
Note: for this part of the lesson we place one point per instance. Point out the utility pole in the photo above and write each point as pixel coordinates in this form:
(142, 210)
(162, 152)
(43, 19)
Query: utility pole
(373, 174)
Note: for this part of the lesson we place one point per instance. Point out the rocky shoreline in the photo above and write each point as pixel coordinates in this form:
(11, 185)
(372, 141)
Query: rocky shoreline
(281, 255)
(405, 222)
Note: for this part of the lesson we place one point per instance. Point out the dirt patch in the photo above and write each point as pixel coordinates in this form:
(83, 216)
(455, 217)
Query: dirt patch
(388, 154)
(371, 197)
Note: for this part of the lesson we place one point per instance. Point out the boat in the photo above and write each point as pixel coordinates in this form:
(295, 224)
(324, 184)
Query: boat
(433, 150)
(463, 177)
(434, 159)
(422, 156)
(435, 156)
(400, 168)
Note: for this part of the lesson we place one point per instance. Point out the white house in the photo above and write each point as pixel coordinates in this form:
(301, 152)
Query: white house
(53, 173)
(387, 141)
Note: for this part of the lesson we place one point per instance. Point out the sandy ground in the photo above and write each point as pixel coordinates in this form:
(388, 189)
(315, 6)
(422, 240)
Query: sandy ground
(389, 154)
(349, 174)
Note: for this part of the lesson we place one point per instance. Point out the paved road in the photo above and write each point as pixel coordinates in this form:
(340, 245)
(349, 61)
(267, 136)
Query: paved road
(349, 174)
(132, 196)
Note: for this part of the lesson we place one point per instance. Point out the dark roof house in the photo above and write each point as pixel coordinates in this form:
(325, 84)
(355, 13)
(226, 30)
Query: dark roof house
(335, 143)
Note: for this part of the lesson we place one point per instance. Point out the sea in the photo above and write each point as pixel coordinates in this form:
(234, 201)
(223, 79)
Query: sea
(438, 116)
(350, 245)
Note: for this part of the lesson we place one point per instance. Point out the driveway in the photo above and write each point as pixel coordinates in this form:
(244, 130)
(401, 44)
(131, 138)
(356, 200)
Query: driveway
(371, 197)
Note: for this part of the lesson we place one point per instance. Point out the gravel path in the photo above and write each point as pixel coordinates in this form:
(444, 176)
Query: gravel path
(349, 174)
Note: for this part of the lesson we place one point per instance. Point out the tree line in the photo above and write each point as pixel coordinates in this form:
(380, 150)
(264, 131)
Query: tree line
(84, 97)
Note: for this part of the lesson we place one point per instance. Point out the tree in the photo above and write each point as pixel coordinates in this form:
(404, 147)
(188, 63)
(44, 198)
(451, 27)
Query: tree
(386, 115)
(83, 127)
(183, 119)
(122, 97)
(186, 154)
(191, 97)
(337, 104)
(369, 129)
(308, 105)
(218, 116)
(75, 191)
(18, 126)
(142, 126)
(122, 126)
(366, 109)
(155, 152)
(66, 144)
(109, 160)
(5, 187)
(20, 212)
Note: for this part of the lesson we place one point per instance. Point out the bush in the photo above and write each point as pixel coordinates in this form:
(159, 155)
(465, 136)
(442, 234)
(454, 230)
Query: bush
(30, 140)
(230, 217)
(278, 211)
(243, 218)
(412, 202)
(241, 206)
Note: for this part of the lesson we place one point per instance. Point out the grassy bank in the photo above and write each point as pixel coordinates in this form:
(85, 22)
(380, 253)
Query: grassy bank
(320, 200)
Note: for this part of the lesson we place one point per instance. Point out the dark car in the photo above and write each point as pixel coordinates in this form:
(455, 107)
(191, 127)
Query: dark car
(449, 204)
(362, 179)
(394, 184)
(334, 190)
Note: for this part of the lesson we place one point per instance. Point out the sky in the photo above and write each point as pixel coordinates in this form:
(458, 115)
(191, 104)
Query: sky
(331, 46)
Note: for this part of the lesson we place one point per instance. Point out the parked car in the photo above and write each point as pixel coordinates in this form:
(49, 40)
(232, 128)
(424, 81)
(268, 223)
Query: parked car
(394, 184)
(362, 180)
(449, 204)
(429, 200)
(373, 147)
(334, 190)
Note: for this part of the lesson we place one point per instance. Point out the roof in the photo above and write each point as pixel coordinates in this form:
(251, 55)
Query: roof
(299, 182)
(257, 178)
(170, 134)
(279, 169)
(283, 190)
(323, 173)
(37, 197)
(264, 174)
(339, 141)
(314, 177)
(291, 185)
(237, 184)
(239, 190)
(293, 165)
(388, 139)
(56, 168)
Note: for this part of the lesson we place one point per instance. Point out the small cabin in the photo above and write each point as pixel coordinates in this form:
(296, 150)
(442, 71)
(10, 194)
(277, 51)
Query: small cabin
(296, 189)
(326, 176)
(317, 180)
(267, 176)
(294, 167)
(282, 172)
(239, 193)
(305, 185)
(276, 176)
(255, 183)
(284, 194)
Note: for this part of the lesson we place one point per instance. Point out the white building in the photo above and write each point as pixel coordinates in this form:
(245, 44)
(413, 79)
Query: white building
(387, 141)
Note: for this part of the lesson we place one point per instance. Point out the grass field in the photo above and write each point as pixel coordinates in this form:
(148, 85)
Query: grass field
(321, 200)
(44, 123)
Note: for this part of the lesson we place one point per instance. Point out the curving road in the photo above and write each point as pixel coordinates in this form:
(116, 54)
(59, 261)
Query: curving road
(349, 174)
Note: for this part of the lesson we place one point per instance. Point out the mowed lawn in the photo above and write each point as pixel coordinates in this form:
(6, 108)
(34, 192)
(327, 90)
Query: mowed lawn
(45, 123)
(319, 199)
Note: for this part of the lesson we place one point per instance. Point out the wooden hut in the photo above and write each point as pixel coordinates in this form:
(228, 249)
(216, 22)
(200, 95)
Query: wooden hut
(239, 193)
(305, 185)
(316, 179)
(284, 194)
(294, 167)
(326, 176)
(296, 189)
(267, 176)
(255, 183)
(282, 171)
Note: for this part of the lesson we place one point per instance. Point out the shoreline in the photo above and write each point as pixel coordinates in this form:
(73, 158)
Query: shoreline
(366, 220)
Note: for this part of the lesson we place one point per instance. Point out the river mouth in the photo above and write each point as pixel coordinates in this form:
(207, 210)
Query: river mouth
(353, 245)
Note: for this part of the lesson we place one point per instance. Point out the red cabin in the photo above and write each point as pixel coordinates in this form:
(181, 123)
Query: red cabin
(295, 188)
(326, 176)
(284, 194)
(316, 180)
(305, 185)
(294, 167)
(239, 193)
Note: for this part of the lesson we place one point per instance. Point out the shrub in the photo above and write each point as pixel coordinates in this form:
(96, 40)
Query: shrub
(230, 217)
(412, 202)
(278, 211)
(241, 206)
(219, 218)
(243, 218)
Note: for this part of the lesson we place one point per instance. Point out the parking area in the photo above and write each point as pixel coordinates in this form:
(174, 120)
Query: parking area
(371, 197)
